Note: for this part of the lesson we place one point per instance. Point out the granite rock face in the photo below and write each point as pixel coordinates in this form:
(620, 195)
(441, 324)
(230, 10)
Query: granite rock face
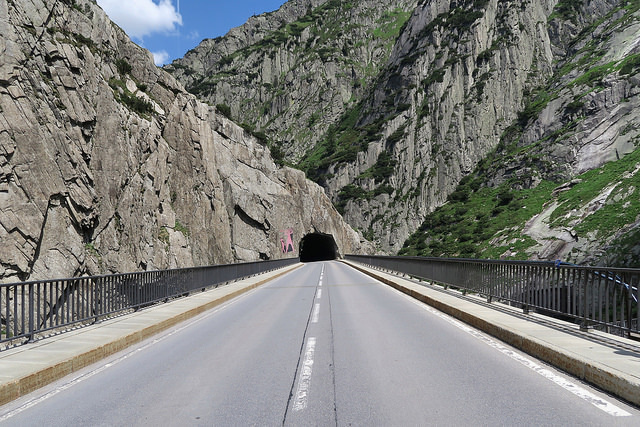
(293, 72)
(461, 78)
(108, 165)
(544, 90)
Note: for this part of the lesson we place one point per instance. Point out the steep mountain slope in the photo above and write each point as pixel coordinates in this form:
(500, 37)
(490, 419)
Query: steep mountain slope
(515, 95)
(108, 165)
(287, 75)
(455, 80)
(564, 180)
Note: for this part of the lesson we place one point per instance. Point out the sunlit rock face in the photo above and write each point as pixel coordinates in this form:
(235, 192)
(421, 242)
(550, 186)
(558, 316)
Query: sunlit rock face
(507, 92)
(108, 165)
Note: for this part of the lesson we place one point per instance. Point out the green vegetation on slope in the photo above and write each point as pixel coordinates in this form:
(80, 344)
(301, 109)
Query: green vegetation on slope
(567, 9)
(354, 192)
(380, 172)
(320, 21)
(130, 100)
(482, 222)
(341, 144)
(621, 206)
(487, 222)
(473, 216)
(391, 24)
(331, 33)
(383, 169)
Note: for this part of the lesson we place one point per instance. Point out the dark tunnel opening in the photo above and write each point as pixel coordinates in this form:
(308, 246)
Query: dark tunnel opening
(318, 247)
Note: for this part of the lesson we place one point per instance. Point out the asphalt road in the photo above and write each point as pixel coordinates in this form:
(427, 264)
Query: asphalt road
(322, 345)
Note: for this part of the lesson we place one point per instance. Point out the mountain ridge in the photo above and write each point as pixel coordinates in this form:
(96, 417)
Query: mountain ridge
(294, 89)
(465, 83)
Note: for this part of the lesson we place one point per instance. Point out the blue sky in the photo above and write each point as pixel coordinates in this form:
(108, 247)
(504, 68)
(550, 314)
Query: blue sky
(169, 28)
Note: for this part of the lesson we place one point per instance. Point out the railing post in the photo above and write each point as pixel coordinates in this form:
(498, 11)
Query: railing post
(629, 306)
(584, 325)
(31, 312)
(526, 288)
(96, 299)
(166, 284)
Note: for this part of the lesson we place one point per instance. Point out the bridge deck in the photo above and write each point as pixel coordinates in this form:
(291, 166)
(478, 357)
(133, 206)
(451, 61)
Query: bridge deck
(26, 368)
(606, 361)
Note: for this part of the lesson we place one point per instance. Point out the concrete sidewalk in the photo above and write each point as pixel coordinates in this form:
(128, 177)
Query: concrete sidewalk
(610, 363)
(28, 367)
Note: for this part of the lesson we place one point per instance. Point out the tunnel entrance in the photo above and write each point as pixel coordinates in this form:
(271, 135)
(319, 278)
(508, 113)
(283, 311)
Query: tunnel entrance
(318, 247)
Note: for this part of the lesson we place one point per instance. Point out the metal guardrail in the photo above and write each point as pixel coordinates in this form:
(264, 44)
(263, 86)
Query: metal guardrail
(30, 308)
(596, 297)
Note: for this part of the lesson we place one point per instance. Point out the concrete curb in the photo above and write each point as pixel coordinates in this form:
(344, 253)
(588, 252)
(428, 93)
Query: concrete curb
(613, 381)
(26, 384)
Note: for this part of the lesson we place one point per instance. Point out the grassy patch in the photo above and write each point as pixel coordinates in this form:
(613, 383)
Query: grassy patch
(474, 216)
(341, 144)
(181, 228)
(538, 102)
(355, 192)
(224, 109)
(391, 23)
(459, 19)
(594, 75)
(123, 67)
(130, 100)
(567, 9)
(624, 250)
(622, 207)
(163, 236)
(383, 169)
(630, 64)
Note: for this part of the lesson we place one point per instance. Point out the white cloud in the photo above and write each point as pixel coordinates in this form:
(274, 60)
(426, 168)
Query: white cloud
(160, 58)
(140, 18)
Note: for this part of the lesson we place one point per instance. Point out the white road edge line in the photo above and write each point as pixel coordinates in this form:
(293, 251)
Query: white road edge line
(79, 378)
(316, 313)
(302, 393)
(581, 392)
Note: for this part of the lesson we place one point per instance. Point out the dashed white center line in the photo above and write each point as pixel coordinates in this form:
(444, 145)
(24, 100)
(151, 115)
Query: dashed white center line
(302, 393)
(304, 382)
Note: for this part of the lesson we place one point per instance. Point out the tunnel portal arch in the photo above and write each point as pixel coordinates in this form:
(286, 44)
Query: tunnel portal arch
(318, 247)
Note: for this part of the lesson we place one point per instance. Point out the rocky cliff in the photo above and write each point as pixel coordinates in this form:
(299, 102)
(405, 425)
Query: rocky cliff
(289, 74)
(563, 180)
(475, 102)
(455, 79)
(108, 165)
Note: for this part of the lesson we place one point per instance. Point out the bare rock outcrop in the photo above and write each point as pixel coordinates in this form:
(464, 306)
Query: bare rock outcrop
(107, 164)
(455, 80)
(292, 73)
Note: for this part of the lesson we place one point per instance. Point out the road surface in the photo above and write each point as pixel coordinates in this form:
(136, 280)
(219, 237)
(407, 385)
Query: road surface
(321, 345)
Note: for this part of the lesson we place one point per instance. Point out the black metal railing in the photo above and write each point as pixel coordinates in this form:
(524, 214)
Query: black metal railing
(30, 308)
(600, 297)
